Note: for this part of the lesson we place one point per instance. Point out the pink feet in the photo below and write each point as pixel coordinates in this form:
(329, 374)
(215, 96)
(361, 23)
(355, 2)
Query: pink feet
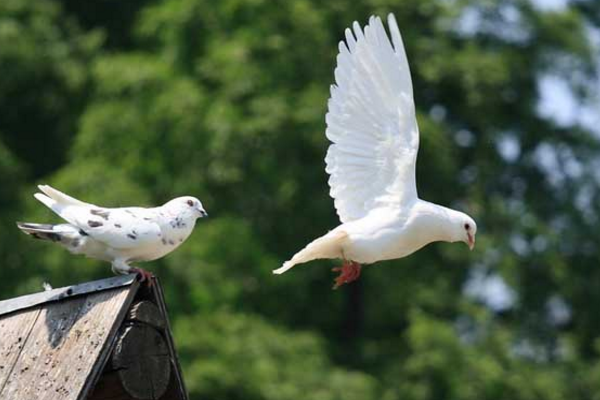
(143, 275)
(349, 271)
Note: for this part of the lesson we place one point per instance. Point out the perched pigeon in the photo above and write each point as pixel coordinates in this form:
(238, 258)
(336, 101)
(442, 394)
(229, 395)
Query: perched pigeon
(118, 235)
(371, 122)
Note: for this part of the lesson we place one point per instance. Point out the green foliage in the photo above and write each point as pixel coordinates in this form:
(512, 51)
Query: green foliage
(43, 58)
(136, 102)
(234, 356)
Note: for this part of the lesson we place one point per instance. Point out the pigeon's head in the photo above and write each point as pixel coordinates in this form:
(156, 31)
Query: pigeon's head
(463, 228)
(187, 207)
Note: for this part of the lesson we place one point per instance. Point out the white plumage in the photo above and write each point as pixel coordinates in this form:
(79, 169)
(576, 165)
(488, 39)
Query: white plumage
(372, 125)
(118, 235)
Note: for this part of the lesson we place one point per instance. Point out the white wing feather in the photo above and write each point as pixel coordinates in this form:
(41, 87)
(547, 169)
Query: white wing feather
(136, 227)
(371, 122)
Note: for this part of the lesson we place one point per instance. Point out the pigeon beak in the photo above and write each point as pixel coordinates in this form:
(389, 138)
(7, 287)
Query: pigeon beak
(203, 214)
(471, 241)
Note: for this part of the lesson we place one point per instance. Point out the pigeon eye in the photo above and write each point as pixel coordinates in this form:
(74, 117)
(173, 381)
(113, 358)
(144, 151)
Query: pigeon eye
(190, 203)
(467, 226)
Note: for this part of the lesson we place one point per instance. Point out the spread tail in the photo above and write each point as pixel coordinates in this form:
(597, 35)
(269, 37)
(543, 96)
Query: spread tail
(328, 246)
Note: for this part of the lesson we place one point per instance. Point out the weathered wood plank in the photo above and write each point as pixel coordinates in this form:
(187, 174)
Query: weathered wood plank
(106, 351)
(22, 302)
(14, 332)
(64, 346)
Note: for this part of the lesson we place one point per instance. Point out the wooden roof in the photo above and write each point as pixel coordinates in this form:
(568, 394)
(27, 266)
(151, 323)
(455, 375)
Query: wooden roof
(55, 344)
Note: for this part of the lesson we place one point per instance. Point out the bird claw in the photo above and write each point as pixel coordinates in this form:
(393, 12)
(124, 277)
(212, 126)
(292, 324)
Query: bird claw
(144, 276)
(349, 271)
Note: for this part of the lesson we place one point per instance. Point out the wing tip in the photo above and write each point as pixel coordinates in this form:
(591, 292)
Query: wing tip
(395, 33)
(391, 18)
(357, 31)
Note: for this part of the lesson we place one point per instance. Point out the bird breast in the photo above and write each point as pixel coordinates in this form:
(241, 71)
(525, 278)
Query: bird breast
(387, 234)
(173, 234)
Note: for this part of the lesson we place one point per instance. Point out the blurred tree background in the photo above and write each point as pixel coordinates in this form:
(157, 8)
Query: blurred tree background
(135, 102)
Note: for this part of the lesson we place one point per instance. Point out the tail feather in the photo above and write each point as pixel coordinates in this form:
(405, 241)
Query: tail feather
(328, 246)
(60, 203)
(286, 266)
(47, 201)
(40, 231)
(68, 236)
(59, 197)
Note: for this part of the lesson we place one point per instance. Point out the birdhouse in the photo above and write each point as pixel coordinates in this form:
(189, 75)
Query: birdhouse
(107, 339)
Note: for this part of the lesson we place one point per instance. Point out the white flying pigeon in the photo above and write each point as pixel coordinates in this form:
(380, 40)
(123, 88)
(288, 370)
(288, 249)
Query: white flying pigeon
(118, 235)
(371, 122)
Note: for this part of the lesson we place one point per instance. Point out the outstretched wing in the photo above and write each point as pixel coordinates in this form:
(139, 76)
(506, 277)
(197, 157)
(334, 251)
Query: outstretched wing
(119, 228)
(371, 122)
